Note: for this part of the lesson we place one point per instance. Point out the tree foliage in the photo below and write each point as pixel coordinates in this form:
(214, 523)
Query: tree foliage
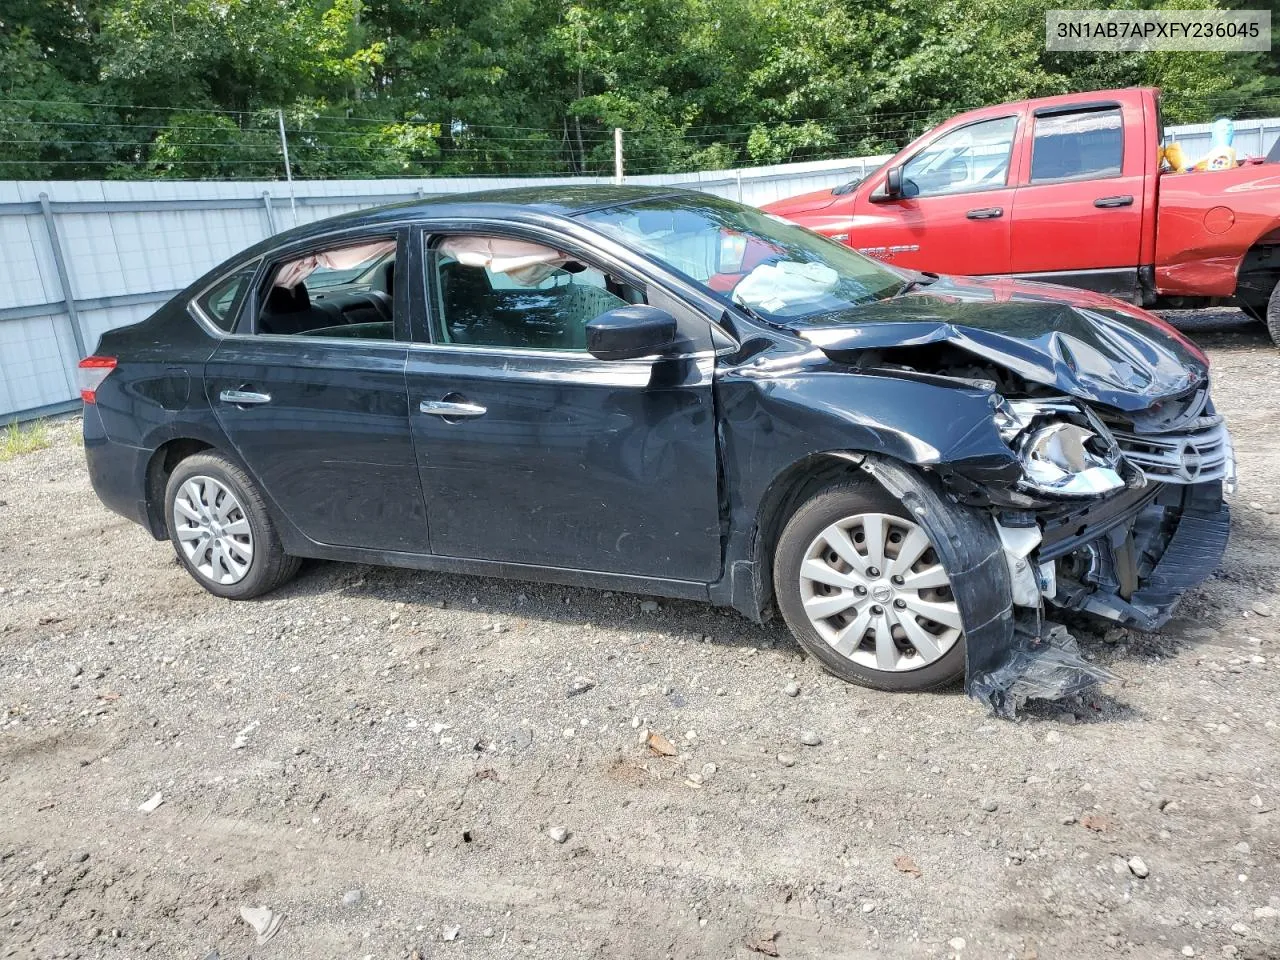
(192, 88)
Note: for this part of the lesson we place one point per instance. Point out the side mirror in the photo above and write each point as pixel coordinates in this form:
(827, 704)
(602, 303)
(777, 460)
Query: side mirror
(626, 333)
(893, 183)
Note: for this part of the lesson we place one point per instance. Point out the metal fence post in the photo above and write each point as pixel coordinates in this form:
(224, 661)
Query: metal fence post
(271, 217)
(64, 273)
(617, 154)
(738, 176)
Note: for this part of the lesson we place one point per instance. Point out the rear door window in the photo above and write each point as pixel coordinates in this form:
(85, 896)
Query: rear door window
(346, 291)
(1076, 146)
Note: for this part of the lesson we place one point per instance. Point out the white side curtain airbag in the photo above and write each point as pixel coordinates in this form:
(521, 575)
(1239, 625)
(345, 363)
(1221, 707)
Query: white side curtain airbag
(343, 258)
(528, 264)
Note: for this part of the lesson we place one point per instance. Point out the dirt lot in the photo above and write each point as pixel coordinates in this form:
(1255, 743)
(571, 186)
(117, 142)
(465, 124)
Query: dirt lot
(380, 757)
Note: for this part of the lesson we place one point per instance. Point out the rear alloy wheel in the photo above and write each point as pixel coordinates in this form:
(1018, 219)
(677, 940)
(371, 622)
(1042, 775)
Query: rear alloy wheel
(864, 591)
(221, 531)
(212, 530)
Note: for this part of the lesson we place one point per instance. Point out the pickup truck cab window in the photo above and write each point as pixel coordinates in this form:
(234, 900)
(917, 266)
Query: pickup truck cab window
(1067, 146)
(974, 157)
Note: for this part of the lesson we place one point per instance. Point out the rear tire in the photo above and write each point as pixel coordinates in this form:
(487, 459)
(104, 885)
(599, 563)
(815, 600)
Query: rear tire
(882, 638)
(221, 530)
(1273, 315)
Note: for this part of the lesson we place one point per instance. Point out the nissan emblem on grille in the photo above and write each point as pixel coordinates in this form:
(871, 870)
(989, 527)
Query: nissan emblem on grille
(1196, 454)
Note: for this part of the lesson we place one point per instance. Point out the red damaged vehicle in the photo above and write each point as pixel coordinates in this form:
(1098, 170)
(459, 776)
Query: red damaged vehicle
(1067, 190)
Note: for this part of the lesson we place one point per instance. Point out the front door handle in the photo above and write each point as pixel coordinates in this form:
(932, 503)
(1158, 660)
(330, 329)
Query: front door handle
(242, 397)
(1108, 202)
(451, 408)
(985, 213)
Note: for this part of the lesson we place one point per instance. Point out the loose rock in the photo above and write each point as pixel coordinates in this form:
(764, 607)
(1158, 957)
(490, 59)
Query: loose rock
(792, 689)
(352, 897)
(786, 759)
(1138, 868)
(558, 834)
(810, 739)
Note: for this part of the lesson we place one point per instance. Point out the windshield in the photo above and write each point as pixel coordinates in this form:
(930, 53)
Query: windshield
(774, 268)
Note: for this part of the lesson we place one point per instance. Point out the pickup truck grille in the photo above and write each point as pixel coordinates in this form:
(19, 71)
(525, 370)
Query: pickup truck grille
(1197, 453)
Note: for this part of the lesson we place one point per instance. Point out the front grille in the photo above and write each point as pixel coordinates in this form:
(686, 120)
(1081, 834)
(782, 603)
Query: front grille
(1197, 453)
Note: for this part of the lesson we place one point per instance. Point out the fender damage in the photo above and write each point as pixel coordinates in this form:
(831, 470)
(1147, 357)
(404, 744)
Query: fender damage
(932, 370)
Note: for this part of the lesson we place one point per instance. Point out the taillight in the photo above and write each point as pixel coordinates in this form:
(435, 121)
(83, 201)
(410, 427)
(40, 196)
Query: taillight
(93, 370)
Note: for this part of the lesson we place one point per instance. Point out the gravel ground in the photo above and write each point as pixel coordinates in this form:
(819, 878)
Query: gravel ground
(409, 765)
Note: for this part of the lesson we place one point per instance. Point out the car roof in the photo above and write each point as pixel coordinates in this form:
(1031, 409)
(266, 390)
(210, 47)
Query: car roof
(513, 203)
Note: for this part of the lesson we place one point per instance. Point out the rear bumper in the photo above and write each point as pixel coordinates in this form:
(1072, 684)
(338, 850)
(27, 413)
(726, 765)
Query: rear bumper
(117, 471)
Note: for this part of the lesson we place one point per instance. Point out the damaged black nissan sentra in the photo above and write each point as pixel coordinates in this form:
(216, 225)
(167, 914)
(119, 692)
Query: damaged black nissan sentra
(669, 393)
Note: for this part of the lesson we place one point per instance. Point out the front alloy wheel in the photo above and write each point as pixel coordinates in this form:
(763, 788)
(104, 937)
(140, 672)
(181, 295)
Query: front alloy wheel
(875, 591)
(863, 590)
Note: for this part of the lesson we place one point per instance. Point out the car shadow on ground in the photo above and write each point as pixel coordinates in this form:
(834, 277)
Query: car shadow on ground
(499, 601)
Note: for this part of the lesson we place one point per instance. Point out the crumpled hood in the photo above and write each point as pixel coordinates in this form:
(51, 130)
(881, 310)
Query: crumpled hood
(1092, 347)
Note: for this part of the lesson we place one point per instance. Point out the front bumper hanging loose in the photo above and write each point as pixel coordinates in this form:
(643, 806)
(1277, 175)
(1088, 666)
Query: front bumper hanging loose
(1012, 653)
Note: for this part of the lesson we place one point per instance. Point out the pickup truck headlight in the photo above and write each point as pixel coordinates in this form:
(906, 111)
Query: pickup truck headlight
(1065, 451)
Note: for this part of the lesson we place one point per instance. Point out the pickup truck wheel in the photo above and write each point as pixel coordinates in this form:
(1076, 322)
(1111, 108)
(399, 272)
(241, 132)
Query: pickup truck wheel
(863, 590)
(1273, 315)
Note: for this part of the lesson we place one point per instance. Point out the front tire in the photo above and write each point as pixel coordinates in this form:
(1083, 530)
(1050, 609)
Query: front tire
(221, 531)
(864, 592)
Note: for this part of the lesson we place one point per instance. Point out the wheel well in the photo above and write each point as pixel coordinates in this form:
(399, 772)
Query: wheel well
(789, 490)
(167, 456)
(1259, 273)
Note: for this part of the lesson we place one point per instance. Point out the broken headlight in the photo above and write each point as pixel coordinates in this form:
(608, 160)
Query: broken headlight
(1065, 450)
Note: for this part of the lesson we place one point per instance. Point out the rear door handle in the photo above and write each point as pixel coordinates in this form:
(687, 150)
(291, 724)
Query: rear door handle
(1106, 202)
(242, 397)
(985, 213)
(452, 408)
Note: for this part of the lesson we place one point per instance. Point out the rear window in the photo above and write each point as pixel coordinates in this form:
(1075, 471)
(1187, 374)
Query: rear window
(221, 302)
(1072, 146)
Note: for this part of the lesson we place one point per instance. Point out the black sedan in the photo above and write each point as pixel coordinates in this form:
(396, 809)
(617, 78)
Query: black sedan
(668, 393)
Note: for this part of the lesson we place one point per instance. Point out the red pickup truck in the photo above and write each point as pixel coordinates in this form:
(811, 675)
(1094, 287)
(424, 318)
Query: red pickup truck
(1067, 190)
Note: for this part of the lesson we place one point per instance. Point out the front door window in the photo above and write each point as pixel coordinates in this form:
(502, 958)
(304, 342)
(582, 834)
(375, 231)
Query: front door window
(497, 292)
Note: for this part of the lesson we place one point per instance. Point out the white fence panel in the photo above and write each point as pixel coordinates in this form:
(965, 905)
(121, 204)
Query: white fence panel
(129, 246)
